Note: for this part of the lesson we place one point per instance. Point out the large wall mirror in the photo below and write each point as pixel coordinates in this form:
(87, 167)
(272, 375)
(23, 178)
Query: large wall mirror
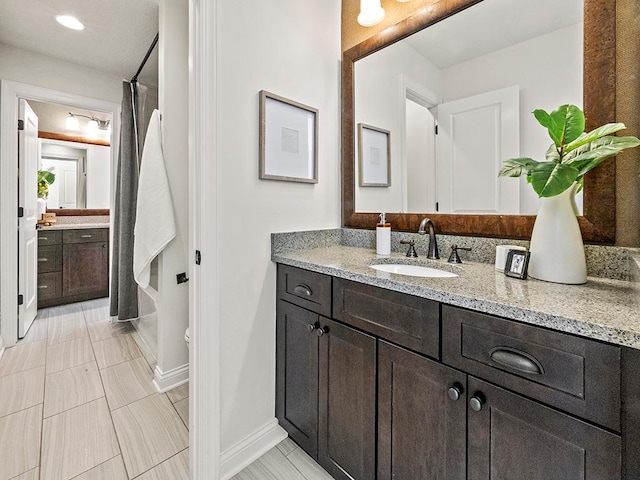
(477, 71)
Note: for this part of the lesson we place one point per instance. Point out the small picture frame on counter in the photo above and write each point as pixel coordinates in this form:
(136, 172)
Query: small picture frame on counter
(517, 264)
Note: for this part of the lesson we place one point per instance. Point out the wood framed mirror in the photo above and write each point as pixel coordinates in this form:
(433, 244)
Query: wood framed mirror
(599, 103)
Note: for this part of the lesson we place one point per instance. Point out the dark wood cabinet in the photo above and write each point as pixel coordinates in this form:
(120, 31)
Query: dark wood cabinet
(73, 265)
(396, 387)
(85, 268)
(421, 428)
(297, 374)
(511, 437)
(347, 402)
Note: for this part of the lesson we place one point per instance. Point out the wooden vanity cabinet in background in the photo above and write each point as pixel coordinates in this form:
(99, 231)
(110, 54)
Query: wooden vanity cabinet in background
(470, 407)
(73, 265)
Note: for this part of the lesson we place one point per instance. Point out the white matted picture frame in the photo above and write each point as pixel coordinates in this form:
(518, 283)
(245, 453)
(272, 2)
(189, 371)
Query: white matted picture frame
(374, 156)
(288, 140)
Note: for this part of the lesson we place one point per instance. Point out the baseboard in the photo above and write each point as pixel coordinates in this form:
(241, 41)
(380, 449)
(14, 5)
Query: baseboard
(249, 449)
(165, 381)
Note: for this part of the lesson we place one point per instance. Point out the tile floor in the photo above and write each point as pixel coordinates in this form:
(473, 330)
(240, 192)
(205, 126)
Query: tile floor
(77, 402)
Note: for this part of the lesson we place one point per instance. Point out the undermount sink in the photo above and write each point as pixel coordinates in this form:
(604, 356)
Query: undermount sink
(413, 270)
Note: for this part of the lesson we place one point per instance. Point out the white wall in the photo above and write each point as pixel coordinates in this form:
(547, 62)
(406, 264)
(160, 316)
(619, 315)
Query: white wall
(172, 303)
(290, 48)
(379, 102)
(548, 70)
(35, 69)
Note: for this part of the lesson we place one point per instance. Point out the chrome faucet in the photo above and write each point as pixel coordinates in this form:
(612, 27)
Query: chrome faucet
(433, 245)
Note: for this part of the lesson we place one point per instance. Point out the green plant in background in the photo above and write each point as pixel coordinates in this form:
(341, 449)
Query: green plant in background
(45, 178)
(572, 154)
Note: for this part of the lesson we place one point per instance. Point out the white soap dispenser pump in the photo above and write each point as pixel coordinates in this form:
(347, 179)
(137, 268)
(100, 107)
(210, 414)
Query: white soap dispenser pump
(383, 236)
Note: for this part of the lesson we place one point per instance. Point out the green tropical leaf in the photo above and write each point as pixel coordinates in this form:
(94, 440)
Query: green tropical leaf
(550, 179)
(515, 167)
(564, 124)
(593, 135)
(599, 150)
(552, 154)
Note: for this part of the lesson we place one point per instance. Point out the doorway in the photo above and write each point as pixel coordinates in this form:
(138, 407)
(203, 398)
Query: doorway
(10, 94)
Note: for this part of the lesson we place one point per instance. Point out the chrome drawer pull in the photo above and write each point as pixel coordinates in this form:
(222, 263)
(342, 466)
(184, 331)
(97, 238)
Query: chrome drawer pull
(44, 238)
(42, 286)
(516, 360)
(303, 290)
(43, 259)
(85, 236)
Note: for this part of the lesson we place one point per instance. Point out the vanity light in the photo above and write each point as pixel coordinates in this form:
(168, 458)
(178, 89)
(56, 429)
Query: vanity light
(70, 22)
(93, 127)
(371, 13)
(72, 123)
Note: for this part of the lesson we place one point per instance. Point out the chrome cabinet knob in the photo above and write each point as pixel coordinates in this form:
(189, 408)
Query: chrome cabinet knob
(476, 403)
(455, 392)
(312, 326)
(321, 331)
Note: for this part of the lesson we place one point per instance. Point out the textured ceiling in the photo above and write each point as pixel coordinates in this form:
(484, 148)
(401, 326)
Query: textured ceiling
(116, 38)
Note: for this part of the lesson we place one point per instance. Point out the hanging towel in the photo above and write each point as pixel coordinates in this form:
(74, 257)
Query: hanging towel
(155, 223)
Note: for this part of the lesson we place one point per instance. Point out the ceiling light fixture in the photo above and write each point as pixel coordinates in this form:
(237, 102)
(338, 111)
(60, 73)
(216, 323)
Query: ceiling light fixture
(70, 22)
(371, 13)
(94, 123)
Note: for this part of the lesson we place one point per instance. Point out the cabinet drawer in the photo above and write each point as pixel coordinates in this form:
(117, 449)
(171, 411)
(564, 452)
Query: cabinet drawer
(49, 285)
(49, 258)
(49, 237)
(306, 289)
(577, 375)
(412, 322)
(85, 235)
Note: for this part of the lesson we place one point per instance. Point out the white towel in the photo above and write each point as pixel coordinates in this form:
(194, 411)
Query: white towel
(155, 223)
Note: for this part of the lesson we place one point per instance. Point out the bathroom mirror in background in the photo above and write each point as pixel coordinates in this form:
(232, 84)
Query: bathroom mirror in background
(476, 76)
(79, 157)
(529, 58)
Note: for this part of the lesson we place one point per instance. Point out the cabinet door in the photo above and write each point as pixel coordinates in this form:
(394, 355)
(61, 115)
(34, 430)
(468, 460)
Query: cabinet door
(511, 437)
(347, 402)
(297, 374)
(85, 268)
(421, 429)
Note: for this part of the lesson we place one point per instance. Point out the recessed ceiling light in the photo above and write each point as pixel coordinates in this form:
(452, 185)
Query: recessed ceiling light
(70, 22)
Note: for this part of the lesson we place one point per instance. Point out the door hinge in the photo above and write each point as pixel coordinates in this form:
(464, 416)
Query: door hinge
(198, 257)
(436, 129)
(20, 299)
(20, 124)
(20, 212)
(437, 206)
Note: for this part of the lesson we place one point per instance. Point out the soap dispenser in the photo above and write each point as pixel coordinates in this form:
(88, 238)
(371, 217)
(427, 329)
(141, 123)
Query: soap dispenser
(383, 236)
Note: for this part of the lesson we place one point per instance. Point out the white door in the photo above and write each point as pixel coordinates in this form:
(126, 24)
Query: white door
(27, 235)
(421, 158)
(475, 135)
(62, 193)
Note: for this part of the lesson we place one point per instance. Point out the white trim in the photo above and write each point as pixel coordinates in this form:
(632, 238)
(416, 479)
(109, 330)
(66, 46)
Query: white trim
(250, 448)
(10, 93)
(165, 381)
(204, 312)
(1, 348)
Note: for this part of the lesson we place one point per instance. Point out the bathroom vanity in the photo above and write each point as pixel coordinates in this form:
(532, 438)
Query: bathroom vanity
(73, 264)
(382, 376)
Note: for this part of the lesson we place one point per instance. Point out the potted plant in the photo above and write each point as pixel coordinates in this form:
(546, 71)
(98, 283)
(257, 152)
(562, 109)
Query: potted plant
(45, 178)
(557, 251)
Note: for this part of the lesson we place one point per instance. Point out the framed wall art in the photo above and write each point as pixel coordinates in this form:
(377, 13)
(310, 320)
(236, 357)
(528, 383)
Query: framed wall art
(288, 140)
(374, 156)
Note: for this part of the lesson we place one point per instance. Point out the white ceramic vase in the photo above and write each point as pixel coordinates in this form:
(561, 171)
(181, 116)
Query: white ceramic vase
(557, 251)
(42, 207)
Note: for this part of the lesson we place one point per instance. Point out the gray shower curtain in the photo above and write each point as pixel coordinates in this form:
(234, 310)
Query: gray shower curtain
(124, 289)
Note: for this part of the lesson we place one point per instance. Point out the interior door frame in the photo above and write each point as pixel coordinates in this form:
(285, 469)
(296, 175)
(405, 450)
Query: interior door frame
(10, 93)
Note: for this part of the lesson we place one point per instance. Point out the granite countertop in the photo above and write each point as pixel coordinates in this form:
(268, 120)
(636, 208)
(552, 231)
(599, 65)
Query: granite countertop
(73, 226)
(602, 309)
